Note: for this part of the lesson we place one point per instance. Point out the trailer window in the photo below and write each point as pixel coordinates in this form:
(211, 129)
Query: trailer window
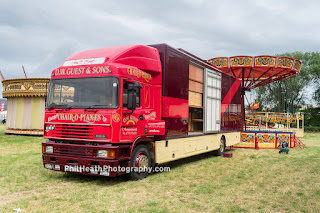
(125, 95)
(84, 92)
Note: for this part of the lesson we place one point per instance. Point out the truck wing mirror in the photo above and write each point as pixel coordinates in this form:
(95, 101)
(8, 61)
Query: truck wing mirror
(132, 100)
(132, 95)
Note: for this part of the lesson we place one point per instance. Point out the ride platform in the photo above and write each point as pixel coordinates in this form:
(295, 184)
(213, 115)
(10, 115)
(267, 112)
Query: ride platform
(268, 140)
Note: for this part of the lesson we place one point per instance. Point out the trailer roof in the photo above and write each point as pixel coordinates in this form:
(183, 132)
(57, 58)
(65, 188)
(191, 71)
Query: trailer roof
(193, 58)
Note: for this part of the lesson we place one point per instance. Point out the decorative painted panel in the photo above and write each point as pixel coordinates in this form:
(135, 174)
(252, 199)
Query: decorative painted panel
(241, 61)
(265, 61)
(297, 65)
(25, 87)
(219, 62)
(247, 137)
(266, 140)
(283, 138)
(284, 62)
(247, 140)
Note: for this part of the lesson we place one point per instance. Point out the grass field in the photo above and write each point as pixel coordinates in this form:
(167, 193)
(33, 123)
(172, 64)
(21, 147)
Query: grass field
(251, 181)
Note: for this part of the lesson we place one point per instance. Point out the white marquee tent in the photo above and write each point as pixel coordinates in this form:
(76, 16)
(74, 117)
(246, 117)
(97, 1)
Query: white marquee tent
(3, 115)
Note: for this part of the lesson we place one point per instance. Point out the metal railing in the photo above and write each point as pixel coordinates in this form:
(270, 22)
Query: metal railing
(273, 121)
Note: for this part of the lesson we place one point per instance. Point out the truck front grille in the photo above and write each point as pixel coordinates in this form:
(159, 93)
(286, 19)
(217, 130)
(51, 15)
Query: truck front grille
(74, 131)
(72, 151)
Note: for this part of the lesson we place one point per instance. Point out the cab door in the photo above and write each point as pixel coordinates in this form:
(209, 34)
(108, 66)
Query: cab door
(132, 124)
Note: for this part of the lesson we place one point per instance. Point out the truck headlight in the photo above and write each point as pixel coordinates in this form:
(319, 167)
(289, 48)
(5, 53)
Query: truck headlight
(102, 154)
(49, 149)
(105, 154)
(49, 128)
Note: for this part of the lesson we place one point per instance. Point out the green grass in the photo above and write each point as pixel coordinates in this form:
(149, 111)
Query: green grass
(251, 181)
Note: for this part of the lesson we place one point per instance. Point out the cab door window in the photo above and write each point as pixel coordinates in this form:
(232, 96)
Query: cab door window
(125, 95)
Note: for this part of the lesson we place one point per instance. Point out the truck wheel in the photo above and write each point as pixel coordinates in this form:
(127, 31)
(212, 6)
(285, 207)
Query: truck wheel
(222, 148)
(140, 159)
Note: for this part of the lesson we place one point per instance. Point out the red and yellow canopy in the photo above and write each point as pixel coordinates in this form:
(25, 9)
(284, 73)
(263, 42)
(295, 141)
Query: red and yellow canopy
(259, 70)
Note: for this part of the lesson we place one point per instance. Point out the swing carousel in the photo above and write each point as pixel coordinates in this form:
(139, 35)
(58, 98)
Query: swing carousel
(259, 70)
(255, 72)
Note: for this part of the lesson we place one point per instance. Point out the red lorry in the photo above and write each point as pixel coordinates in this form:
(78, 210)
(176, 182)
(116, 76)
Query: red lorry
(137, 106)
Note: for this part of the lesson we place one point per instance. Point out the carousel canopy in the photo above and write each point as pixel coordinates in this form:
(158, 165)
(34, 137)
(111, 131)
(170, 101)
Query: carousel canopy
(259, 70)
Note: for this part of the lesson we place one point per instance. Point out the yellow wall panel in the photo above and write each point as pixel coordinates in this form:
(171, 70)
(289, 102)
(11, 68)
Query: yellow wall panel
(19, 113)
(36, 113)
(9, 107)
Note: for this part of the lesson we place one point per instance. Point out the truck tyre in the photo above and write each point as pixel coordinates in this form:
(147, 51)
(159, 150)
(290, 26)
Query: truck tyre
(222, 148)
(140, 158)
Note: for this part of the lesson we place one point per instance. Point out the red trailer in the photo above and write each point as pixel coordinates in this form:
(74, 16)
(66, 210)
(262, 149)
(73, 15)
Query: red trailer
(137, 106)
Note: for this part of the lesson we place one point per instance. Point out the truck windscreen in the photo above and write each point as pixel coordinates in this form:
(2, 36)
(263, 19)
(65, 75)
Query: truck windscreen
(93, 93)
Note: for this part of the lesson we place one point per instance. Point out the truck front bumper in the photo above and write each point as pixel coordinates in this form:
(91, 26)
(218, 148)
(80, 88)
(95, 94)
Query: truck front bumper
(68, 158)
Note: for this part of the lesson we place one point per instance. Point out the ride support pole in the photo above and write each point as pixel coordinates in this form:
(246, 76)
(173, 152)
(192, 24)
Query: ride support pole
(256, 145)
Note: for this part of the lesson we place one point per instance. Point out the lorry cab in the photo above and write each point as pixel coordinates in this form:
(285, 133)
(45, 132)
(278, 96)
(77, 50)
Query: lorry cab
(107, 90)
(102, 97)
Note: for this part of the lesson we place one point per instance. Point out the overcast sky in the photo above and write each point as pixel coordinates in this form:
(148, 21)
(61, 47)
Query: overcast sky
(40, 34)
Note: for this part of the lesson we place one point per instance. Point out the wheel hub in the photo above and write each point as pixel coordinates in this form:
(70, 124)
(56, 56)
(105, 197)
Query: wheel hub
(142, 160)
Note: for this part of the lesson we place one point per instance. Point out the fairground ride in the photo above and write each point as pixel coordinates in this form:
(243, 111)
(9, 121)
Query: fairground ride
(255, 72)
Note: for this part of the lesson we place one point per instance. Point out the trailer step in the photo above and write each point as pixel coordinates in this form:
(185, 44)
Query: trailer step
(227, 155)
